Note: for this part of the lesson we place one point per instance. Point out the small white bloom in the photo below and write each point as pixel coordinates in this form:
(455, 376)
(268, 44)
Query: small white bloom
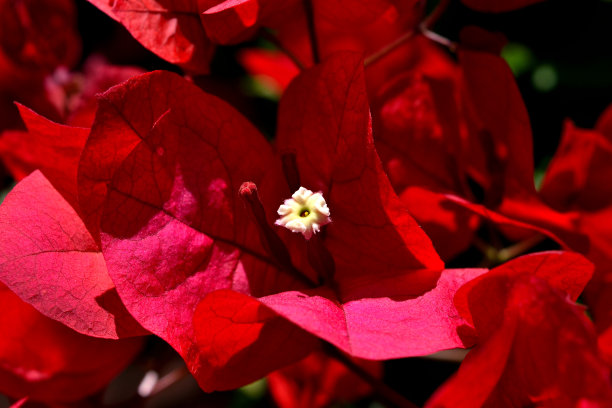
(305, 212)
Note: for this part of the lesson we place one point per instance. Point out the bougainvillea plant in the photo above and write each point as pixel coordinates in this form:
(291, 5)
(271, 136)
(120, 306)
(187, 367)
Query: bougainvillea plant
(302, 203)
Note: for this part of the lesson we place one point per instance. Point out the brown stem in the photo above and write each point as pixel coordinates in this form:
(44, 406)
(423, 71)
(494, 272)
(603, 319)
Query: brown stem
(372, 58)
(519, 248)
(431, 19)
(452, 356)
(495, 256)
(428, 22)
(162, 384)
(435, 37)
(312, 33)
(386, 394)
(489, 252)
(169, 379)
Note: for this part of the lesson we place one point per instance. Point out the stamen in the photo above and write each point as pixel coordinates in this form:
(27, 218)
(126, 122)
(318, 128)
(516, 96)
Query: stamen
(271, 241)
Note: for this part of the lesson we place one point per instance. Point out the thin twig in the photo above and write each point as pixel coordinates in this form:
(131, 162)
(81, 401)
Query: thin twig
(435, 37)
(519, 248)
(433, 17)
(274, 245)
(428, 22)
(372, 58)
(495, 256)
(169, 379)
(451, 356)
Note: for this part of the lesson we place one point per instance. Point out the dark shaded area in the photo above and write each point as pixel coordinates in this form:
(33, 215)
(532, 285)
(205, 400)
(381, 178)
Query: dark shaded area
(103, 35)
(418, 378)
(574, 37)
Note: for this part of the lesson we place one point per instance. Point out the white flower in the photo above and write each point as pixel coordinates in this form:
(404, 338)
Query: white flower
(305, 212)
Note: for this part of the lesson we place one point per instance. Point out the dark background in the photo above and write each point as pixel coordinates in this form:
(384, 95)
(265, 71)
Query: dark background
(574, 38)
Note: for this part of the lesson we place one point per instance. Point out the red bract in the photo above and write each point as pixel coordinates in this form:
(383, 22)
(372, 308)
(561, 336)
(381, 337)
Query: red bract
(491, 133)
(344, 13)
(66, 97)
(35, 38)
(575, 182)
(450, 226)
(52, 148)
(20, 403)
(319, 381)
(238, 340)
(604, 124)
(597, 293)
(577, 212)
(234, 20)
(189, 233)
(338, 27)
(566, 271)
(469, 117)
(416, 122)
(56, 149)
(501, 137)
(50, 260)
(273, 68)
(573, 207)
(231, 21)
(422, 139)
(576, 177)
(123, 119)
(497, 6)
(499, 125)
(325, 122)
(182, 32)
(59, 257)
(535, 347)
(460, 129)
(46, 361)
(370, 325)
(171, 29)
(74, 93)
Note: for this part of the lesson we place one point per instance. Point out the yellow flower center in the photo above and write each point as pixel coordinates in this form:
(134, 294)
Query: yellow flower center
(305, 212)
